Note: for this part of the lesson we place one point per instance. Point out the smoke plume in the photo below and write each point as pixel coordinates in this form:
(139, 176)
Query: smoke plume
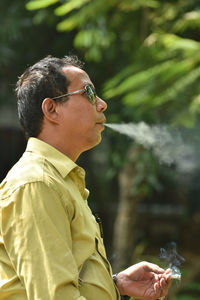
(168, 145)
(170, 256)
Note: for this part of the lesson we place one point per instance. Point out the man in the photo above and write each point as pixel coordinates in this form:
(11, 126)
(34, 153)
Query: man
(50, 244)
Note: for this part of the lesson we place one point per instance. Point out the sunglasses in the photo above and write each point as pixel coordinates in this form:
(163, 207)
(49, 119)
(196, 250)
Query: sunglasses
(88, 89)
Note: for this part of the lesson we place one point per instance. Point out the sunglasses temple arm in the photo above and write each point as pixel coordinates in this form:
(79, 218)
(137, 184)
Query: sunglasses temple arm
(76, 92)
(68, 94)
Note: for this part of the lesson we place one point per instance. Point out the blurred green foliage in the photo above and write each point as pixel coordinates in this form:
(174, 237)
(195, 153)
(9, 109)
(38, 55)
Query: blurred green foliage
(151, 51)
(143, 56)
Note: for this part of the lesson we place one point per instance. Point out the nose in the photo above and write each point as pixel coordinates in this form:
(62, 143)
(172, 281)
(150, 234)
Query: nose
(101, 105)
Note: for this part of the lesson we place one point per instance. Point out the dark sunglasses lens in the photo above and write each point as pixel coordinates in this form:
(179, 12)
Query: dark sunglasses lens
(90, 91)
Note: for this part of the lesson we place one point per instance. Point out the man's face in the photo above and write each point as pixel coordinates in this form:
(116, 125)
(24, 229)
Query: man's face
(82, 122)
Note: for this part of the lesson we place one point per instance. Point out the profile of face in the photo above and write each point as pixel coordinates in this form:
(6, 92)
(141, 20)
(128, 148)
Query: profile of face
(81, 122)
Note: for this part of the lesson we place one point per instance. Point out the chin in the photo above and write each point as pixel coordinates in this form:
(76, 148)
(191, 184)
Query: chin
(94, 143)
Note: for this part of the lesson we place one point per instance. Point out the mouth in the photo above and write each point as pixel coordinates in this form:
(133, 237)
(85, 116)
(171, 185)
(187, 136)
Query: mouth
(101, 123)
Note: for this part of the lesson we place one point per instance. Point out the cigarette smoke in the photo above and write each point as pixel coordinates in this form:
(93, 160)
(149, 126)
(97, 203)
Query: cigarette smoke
(168, 145)
(172, 258)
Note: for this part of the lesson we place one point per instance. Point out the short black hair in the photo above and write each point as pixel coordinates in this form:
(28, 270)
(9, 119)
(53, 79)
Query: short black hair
(42, 80)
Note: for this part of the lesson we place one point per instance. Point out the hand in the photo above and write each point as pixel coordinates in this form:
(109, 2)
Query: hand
(144, 280)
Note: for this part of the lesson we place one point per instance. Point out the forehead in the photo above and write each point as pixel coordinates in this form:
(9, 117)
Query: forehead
(76, 76)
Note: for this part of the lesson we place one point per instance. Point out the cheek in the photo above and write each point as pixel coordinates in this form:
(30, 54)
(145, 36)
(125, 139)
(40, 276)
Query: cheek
(86, 117)
(84, 125)
(80, 117)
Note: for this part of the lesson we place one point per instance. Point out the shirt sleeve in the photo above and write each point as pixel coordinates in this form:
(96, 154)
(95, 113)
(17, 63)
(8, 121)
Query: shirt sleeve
(37, 237)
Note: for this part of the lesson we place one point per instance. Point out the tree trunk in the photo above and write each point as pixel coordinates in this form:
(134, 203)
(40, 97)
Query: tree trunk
(124, 228)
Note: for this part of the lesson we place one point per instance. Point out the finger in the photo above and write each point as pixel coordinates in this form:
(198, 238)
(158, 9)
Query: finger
(165, 284)
(155, 268)
(159, 291)
(167, 277)
(156, 288)
(168, 271)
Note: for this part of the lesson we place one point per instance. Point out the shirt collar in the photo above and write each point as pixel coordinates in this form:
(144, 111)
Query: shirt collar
(60, 161)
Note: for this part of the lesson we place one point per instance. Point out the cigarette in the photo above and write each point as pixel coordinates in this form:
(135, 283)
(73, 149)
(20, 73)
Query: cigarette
(176, 276)
(173, 276)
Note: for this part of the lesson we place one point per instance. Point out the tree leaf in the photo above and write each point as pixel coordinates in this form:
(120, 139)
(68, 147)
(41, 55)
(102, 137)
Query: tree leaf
(180, 85)
(68, 24)
(136, 80)
(69, 6)
(37, 4)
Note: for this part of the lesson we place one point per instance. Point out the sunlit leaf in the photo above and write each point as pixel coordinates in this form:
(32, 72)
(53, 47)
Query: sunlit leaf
(176, 43)
(168, 12)
(81, 17)
(136, 80)
(114, 81)
(69, 6)
(83, 39)
(172, 42)
(172, 92)
(68, 24)
(189, 20)
(37, 4)
(94, 36)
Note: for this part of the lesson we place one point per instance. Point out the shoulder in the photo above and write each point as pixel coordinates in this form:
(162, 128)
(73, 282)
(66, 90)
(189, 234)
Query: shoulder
(30, 169)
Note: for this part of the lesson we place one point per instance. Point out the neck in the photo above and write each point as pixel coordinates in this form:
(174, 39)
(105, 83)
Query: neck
(69, 151)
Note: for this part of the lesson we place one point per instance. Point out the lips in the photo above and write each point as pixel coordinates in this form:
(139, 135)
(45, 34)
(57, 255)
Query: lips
(101, 122)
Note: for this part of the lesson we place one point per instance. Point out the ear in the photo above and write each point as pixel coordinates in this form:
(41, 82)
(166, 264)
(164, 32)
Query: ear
(49, 108)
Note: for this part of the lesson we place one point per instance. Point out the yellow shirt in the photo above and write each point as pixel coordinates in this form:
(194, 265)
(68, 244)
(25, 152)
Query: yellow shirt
(50, 244)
